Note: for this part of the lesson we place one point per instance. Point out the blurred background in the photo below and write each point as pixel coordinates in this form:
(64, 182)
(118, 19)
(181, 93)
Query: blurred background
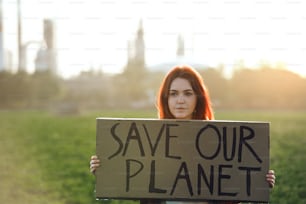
(104, 54)
(65, 62)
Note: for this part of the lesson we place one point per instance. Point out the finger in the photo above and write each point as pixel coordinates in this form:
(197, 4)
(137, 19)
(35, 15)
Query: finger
(94, 157)
(271, 182)
(271, 176)
(97, 163)
(94, 167)
(94, 161)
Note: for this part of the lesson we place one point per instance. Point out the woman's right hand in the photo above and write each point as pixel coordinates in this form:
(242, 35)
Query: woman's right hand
(94, 163)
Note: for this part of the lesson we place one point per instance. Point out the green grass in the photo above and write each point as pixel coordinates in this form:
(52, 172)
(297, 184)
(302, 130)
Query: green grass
(45, 157)
(288, 154)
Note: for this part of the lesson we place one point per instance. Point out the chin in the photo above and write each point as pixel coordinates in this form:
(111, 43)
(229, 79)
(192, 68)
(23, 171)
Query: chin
(181, 117)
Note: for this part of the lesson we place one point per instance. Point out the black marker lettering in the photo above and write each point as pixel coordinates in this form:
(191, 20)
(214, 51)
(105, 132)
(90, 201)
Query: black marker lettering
(168, 137)
(152, 188)
(225, 144)
(130, 175)
(183, 174)
(224, 176)
(133, 135)
(248, 177)
(202, 174)
(243, 141)
(117, 139)
(154, 147)
(200, 134)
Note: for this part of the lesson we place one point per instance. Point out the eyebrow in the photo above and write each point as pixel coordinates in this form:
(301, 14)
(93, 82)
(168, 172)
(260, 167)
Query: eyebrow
(183, 90)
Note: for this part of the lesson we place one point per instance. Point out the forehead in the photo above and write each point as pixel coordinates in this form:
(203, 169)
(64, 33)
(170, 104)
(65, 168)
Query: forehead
(180, 84)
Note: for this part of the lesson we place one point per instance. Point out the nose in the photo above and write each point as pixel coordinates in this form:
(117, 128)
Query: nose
(180, 99)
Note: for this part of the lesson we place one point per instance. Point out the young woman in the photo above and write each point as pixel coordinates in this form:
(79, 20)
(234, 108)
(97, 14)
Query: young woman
(183, 95)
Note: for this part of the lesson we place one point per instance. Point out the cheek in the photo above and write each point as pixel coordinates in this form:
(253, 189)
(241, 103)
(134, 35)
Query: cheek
(170, 103)
(194, 102)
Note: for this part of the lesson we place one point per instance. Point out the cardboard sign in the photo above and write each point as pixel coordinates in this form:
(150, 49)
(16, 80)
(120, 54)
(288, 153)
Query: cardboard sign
(182, 160)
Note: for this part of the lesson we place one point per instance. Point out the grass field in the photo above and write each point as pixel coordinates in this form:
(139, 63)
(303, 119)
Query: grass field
(45, 157)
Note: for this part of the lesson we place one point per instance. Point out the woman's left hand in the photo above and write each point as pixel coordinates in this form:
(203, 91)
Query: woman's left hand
(270, 178)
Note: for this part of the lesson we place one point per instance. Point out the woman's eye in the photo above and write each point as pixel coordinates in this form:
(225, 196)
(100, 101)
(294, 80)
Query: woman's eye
(189, 93)
(172, 93)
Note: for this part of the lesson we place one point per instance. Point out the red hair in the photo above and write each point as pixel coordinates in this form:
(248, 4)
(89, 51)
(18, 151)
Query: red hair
(203, 109)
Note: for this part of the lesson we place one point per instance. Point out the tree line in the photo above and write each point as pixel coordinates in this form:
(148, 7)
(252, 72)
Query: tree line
(263, 88)
(22, 90)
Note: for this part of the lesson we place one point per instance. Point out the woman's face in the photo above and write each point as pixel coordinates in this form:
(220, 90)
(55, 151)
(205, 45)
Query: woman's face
(182, 99)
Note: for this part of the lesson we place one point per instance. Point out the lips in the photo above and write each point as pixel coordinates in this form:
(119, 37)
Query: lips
(180, 109)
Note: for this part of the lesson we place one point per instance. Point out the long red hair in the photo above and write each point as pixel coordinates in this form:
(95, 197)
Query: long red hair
(203, 110)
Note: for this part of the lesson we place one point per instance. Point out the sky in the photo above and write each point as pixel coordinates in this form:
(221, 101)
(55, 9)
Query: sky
(93, 34)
